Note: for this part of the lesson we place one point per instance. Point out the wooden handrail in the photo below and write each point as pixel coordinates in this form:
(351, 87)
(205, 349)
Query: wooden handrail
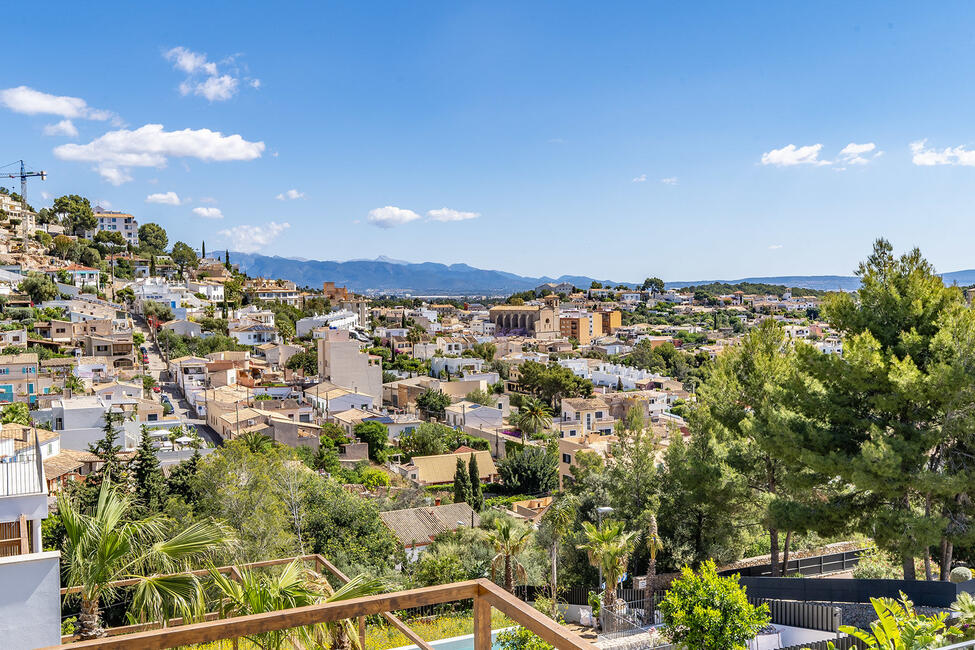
(508, 604)
(484, 593)
(234, 570)
(238, 626)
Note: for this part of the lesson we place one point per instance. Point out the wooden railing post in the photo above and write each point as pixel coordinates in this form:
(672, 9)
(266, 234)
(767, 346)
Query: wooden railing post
(482, 623)
(362, 632)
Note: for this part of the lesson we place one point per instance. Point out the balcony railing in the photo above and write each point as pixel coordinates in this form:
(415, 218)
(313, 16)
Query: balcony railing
(484, 593)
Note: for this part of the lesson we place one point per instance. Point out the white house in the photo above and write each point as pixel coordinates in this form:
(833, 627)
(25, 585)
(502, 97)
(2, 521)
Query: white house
(254, 334)
(184, 328)
(455, 365)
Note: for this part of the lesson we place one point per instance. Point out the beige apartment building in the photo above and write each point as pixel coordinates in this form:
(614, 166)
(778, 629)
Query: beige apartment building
(342, 362)
(18, 378)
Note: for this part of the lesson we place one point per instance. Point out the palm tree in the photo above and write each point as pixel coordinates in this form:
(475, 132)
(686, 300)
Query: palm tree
(415, 334)
(257, 443)
(508, 544)
(533, 416)
(293, 587)
(103, 546)
(557, 520)
(653, 545)
(609, 548)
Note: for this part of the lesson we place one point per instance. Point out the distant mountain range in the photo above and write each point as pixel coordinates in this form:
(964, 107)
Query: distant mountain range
(387, 275)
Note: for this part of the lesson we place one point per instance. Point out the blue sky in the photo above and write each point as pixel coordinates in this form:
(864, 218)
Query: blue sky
(617, 140)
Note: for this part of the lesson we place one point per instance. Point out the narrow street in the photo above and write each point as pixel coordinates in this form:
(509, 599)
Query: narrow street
(156, 369)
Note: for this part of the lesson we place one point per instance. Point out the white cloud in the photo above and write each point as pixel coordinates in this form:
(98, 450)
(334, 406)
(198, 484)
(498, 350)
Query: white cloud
(216, 89)
(792, 155)
(290, 195)
(208, 199)
(208, 213)
(116, 152)
(642, 178)
(949, 156)
(165, 198)
(34, 102)
(104, 203)
(190, 62)
(775, 247)
(45, 196)
(64, 127)
(391, 216)
(670, 180)
(250, 239)
(852, 153)
(203, 76)
(446, 214)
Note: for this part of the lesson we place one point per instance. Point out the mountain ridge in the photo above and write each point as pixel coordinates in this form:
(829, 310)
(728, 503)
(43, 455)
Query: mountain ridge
(388, 275)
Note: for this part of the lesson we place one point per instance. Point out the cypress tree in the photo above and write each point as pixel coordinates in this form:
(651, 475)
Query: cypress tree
(150, 486)
(462, 483)
(203, 250)
(226, 259)
(477, 496)
(107, 449)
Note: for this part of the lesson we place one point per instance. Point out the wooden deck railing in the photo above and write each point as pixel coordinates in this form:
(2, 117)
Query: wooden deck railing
(484, 593)
(320, 563)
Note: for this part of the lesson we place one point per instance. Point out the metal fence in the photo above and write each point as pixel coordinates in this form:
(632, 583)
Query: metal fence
(22, 477)
(807, 615)
(630, 618)
(841, 643)
(848, 590)
(807, 566)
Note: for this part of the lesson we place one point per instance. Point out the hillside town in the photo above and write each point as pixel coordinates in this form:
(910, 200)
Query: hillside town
(578, 446)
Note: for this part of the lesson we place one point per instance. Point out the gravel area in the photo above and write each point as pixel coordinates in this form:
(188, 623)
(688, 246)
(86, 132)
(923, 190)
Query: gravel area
(862, 614)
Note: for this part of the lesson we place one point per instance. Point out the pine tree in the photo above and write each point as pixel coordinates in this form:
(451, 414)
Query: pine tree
(477, 496)
(885, 415)
(462, 483)
(180, 482)
(149, 484)
(108, 450)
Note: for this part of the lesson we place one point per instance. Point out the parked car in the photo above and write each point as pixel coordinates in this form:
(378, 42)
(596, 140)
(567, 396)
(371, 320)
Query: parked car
(156, 389)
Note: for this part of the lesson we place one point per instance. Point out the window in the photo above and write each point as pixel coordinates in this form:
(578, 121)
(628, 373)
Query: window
(567, 459)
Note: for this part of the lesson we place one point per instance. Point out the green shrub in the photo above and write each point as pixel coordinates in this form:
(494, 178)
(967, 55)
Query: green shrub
(520, 638)
(960, 574)
(711, 612)
(876, 564)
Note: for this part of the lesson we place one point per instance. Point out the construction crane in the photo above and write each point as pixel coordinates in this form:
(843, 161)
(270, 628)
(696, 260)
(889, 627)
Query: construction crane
(23, 176)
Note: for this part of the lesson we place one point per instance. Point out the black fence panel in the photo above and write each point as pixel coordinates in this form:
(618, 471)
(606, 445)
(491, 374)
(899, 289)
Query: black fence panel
(807, 566)
(848, 590)
(798, 614)
(842, 643)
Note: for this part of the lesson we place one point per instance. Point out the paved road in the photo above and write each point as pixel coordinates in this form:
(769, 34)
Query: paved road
(182, 409)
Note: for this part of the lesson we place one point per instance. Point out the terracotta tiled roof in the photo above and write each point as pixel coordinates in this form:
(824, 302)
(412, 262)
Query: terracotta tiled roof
(420, 525)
